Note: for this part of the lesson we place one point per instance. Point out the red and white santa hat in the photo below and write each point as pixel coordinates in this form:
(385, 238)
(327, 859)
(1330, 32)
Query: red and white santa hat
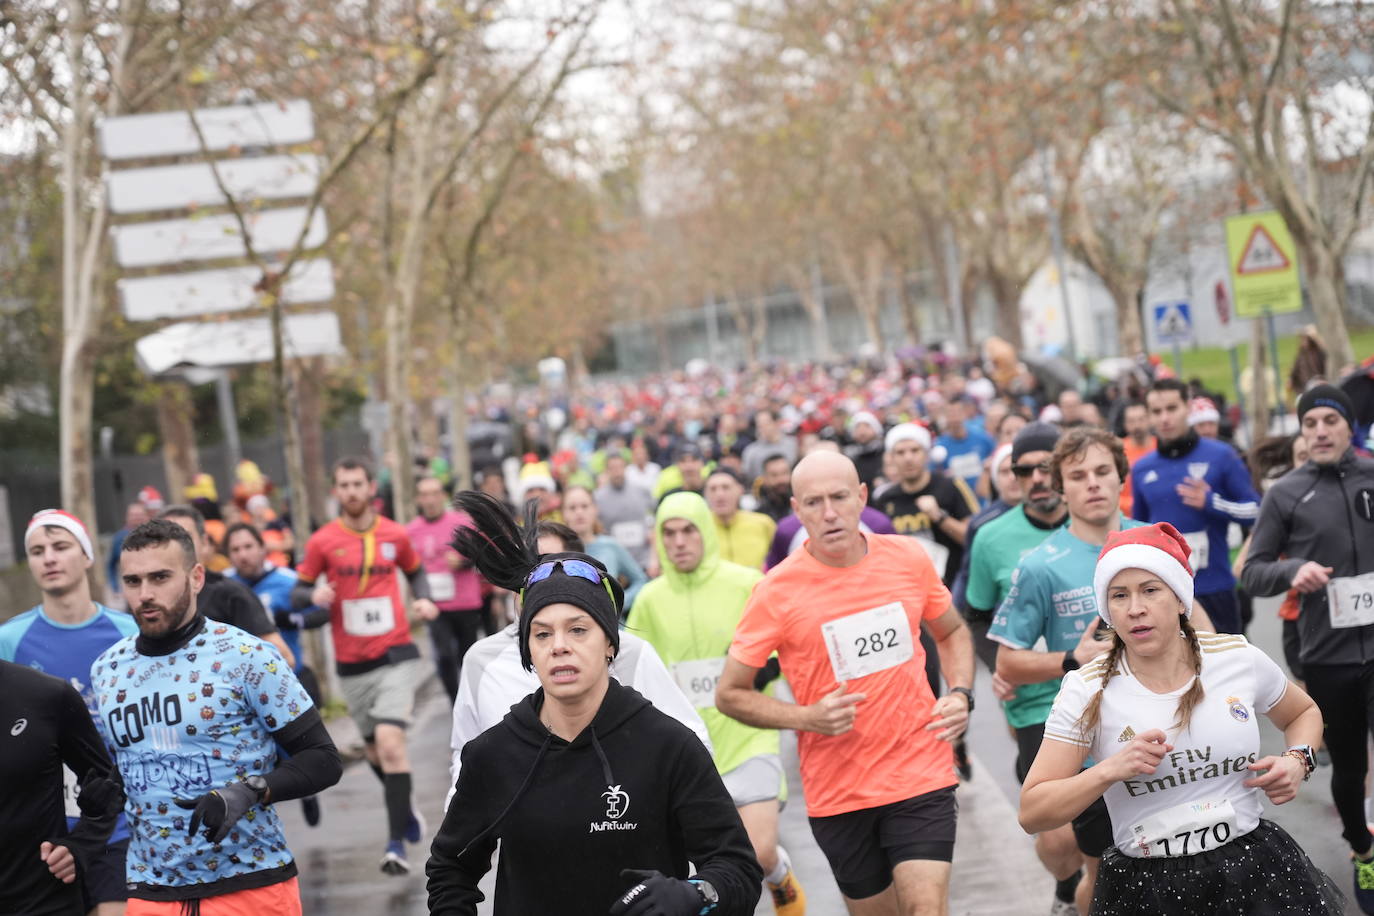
(1202, 410)
(56, 518)
(1158, 548)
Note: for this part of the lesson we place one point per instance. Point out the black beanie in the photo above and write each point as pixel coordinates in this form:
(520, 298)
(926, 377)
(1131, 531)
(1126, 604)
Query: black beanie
(602, 600)
(1034, 437)
(1327, 396)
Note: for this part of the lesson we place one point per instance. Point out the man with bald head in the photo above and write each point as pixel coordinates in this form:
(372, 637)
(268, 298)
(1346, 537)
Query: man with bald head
(844, 616)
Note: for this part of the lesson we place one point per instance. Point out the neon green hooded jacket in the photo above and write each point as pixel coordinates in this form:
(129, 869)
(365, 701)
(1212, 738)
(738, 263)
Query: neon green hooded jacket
(690, 619)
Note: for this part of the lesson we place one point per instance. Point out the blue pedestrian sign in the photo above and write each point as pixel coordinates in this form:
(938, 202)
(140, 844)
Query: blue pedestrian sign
(1173, 323)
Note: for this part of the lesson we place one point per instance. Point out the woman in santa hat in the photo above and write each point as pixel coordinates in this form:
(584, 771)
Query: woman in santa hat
(1165, 726)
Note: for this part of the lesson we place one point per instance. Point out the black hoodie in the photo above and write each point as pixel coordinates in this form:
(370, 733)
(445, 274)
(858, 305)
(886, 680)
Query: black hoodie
(636, 789)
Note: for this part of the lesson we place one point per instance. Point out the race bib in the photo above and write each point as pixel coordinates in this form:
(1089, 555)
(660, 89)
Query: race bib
(629, 535)
(70, 789)
(1351, 601)
(697, 680)
(1201, 547)
(368, 616)
(938, 553)
(966, 465)
(441, 587)
(869, 641)
(1186, 829)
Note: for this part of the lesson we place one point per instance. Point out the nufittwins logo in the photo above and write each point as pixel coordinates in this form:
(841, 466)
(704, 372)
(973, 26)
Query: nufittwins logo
(617, 804)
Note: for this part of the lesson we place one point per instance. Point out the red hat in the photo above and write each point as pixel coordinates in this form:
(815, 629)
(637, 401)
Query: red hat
(1158, 548)
(1202, 410)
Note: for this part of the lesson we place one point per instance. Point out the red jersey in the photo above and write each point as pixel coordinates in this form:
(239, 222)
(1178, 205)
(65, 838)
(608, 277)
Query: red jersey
(368, 616)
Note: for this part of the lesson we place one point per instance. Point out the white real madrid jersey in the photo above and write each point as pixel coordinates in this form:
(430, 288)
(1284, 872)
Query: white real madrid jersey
(1209, 759)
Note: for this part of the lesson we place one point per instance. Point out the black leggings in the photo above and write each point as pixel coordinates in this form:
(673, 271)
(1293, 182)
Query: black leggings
(1345, 695)
(453, 633)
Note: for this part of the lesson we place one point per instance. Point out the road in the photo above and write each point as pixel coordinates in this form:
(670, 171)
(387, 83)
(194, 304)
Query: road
(995, 871)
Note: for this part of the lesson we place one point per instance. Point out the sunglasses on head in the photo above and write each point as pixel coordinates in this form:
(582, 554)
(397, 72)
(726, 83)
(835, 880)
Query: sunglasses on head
(579, 568)
(1025, 470)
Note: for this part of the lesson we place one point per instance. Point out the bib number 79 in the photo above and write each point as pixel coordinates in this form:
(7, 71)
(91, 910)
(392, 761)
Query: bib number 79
(1199, 839)
(876, 642)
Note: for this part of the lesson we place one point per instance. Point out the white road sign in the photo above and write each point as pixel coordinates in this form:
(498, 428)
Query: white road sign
(205, 292)
(170, 133)
(172, 187)
(238, 342)
(200, 238)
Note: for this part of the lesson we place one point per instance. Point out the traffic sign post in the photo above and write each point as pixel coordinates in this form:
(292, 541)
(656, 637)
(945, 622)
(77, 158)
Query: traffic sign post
(1264, 273)
(1174, 325)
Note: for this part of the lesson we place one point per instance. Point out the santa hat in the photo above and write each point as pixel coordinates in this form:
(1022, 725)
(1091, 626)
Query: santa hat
(904, 432)
(1202, 410)
(56, 518)
(1157, 548)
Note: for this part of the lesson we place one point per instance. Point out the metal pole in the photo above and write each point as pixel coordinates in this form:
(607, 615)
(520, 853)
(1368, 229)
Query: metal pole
(1233, 352)
(1057, 245)
(229, 420)
(1274, 356)
(1178, 358)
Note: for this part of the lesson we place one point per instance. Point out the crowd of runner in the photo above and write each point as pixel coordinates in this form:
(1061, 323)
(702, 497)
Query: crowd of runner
(627, 616)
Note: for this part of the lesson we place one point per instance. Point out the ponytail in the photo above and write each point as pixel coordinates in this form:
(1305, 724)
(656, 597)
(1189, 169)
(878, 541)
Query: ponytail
(503, 552)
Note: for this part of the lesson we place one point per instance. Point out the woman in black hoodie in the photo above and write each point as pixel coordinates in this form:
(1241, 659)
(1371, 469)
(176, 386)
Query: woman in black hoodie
(599, 800)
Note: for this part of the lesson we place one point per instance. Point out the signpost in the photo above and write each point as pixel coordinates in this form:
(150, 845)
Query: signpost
(1174, 325)
(1264, 273)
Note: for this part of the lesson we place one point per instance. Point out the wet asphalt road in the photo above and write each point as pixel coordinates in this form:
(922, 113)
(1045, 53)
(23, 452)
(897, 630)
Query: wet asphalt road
(338, 859)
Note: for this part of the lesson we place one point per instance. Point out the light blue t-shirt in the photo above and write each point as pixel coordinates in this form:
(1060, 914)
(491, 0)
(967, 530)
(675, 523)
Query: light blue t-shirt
(183, 724)
(1051, 598)
(66, 651)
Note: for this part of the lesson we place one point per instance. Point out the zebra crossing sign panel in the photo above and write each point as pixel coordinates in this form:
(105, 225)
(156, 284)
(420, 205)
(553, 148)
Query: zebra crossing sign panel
(1173, 323)
(1263, 262)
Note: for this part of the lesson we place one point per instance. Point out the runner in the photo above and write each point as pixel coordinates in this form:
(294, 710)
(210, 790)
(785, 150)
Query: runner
(1314, 535)
(454, 586)
(744, 537)
(1200, 486)
(598, 800)
(775, 487)
(580, 511)
(769, 440)
(62, 637)
(625, 509)
(1050, 605)
(378, 664)
(48, 731)
(966, 445)
(1135, 417)
(924, 502)
(221, 598)
(1006, 495)
(689, 615)
(195, 710)
(273, 585)
(876, 756)
(493, 679)
(135, 514)
(1171, 725)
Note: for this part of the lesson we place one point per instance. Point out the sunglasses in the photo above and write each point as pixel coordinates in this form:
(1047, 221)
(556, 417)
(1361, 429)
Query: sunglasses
(1025, 470)
(579, 568)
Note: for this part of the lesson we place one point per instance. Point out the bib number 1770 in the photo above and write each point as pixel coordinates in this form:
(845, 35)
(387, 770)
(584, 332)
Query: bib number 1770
(1191, 841)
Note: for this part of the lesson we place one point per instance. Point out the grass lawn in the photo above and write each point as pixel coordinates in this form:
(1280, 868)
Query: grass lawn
(1213, 365)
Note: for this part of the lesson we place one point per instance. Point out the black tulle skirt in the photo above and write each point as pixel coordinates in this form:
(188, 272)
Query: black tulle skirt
(1264, 873)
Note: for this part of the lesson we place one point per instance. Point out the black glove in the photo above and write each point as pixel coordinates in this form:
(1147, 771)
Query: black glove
(657, 895)
(289, 620)
(101, 796)
(218, 810)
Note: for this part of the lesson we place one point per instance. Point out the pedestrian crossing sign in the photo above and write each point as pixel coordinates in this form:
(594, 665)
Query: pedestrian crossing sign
(1263, 262)
(1173, 323)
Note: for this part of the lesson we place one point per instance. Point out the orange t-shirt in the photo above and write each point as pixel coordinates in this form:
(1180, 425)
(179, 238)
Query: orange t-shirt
(1133, 454)
(874, 609)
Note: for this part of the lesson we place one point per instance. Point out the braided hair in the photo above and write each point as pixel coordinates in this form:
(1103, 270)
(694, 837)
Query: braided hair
(1092, 713)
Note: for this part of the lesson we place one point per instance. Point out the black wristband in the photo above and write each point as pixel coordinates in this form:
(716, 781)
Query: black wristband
(1070, 663)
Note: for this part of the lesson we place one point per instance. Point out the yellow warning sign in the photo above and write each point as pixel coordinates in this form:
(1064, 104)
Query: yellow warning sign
(1264, 265)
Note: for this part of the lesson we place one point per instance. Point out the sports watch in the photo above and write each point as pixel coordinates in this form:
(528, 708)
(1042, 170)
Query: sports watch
(1304, 754)
(967, 694)
(1071, 663)
(709, 897)
(260, 788)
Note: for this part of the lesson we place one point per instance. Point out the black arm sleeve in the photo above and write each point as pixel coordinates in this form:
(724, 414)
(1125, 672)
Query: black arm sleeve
(713, 832)
(302, 620)
(83, 752)
(302, 595)
(314, 764)
(770, 672)
(419, 585)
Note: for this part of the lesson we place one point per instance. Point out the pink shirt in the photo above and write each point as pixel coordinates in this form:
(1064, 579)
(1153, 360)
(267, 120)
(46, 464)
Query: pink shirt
(451, 590)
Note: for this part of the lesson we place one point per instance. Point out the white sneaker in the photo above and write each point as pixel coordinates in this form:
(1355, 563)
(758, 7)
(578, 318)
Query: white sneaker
(1063, 908)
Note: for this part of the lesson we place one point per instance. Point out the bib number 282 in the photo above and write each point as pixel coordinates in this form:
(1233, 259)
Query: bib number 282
(874, 643)
(869, 641)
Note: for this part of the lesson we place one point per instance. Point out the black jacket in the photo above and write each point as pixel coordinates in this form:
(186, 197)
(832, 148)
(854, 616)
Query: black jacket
(1323, 513)
(636, 789)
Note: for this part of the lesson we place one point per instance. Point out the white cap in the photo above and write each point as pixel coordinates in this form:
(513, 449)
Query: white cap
(904, 432)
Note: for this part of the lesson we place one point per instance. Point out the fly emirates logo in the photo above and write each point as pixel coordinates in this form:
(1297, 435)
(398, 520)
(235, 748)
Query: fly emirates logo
(1190, 765)
(617, 803)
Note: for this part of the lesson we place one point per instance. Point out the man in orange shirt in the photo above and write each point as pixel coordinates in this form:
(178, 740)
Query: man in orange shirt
(843, 615)
(1138, 443)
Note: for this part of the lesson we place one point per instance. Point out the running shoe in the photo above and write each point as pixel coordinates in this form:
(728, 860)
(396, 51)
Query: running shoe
(788, 897)
(415, 827)
(310, 808)
(394, 861)
(1063, 908)
(1364, 885)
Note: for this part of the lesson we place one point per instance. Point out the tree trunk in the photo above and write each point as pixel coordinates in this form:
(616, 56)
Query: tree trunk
(461, 454)
(812, 297)
(1008, 301)
(176, 424)
(744, 327)
(1259, 387)
(1327, 291)
(308, 372)
(911, 319)
(760, 309)
(75, 416)
(1130, 335)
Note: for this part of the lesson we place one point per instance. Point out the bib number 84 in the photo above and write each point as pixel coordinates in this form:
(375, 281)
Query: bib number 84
(1199, 840)
(876, 642)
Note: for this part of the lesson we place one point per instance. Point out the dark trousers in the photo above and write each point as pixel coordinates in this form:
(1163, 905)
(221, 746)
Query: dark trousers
(453, 633)
(1345, 695)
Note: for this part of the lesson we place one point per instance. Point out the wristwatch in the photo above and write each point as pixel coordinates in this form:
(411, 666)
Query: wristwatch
(709, 897)
(1070, 663)
(260, 788)
(968, 695)
(1304, 754)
